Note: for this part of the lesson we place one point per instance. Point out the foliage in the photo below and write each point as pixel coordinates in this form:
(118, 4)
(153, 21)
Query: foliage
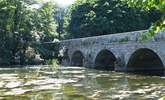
(147, 5)
(21, 25)
(47, 50)
(53, 62)
(100, 17)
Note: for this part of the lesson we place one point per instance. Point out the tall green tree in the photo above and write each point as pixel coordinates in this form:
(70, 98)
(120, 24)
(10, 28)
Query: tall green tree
(21, 25)
(148, 5)
(100, 17)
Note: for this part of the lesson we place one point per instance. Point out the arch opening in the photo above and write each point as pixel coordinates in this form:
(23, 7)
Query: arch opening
(105, 60)
(77, 59)
(145, 61)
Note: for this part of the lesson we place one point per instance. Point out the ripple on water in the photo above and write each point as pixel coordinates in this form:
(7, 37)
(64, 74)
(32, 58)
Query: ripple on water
(16, 91)
(13, 84)
(49, 81)
(77, 83)
(8, 76)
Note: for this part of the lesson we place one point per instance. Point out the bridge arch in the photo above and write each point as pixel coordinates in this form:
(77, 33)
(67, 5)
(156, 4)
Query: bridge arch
(145, 61)
(105, 60)
(77, 59)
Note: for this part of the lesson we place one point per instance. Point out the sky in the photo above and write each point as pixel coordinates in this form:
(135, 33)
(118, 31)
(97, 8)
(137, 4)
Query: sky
(62, 3)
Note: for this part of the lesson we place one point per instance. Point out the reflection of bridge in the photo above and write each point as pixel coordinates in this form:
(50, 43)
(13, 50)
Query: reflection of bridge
(121, 52)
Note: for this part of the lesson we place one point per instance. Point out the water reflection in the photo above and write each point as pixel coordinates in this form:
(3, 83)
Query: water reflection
(75, 83)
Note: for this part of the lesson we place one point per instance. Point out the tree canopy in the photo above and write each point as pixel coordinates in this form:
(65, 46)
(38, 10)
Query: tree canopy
(25, 24)
(100, 17)
(21, 25)
(147, 5)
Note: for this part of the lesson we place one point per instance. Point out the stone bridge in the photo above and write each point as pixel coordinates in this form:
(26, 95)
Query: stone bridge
(119, 52)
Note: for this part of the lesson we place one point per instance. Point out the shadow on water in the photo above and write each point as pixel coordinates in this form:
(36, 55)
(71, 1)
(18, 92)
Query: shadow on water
(105, 68)
(148, 72)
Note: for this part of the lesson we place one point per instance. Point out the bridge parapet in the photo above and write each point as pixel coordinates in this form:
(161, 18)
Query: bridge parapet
(123, 46)
(114, 39)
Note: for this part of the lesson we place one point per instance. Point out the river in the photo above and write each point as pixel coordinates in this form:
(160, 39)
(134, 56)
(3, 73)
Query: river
(77, 83)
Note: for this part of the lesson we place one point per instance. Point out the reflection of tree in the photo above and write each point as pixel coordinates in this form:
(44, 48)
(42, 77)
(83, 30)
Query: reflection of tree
(104, 84)
(93, 83)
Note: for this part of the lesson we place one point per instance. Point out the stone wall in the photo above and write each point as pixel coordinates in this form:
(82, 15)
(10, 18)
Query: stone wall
(122, 45)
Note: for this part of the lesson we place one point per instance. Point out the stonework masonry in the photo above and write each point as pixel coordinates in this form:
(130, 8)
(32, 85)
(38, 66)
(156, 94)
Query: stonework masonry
(122, 45)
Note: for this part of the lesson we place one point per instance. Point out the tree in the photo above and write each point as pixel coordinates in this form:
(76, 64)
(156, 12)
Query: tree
(100, 17)
(22, 25)
(148, 5)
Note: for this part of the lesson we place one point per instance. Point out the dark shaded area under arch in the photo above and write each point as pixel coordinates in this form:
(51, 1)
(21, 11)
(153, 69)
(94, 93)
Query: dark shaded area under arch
(145, 61)
(77, 59)
(105, 60)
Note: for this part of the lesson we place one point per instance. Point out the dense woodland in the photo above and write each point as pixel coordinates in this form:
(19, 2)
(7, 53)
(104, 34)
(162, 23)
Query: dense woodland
(27, 26)
(100, 17)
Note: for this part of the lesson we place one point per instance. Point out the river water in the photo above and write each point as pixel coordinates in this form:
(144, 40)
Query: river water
(76, 83)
